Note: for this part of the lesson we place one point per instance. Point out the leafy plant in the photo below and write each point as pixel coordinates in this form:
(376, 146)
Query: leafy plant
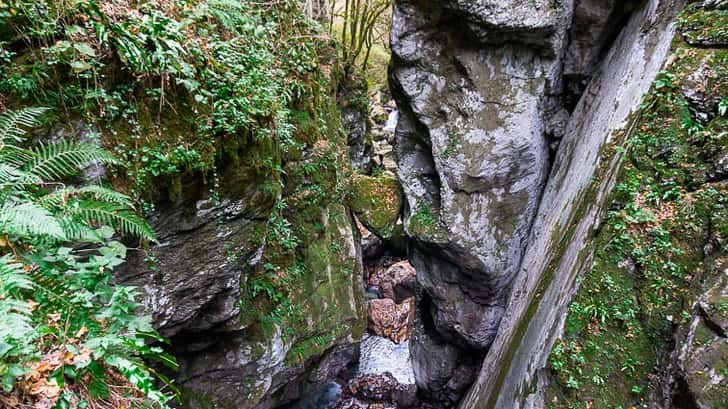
(68, 334)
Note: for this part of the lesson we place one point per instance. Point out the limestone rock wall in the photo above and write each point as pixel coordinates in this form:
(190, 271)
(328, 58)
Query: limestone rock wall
(487, 92)
(570, 208)
(257, 278)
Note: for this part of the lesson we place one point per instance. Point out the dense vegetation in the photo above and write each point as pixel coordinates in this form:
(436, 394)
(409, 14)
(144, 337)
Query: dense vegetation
(663, 243)
(169, 88)
(167, 82)
(68, 334)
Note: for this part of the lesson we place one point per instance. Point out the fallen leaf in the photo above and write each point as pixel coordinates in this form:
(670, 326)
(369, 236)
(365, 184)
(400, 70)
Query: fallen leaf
(81, 332)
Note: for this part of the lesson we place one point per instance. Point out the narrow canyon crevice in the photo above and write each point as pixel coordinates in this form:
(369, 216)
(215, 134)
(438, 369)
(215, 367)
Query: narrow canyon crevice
(485, 106)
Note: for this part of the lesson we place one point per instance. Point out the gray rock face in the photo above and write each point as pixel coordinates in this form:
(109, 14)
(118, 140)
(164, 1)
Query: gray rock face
(484, 88)
(594, 24)
(192, 282)
(477, 106)
(355, 119)
(195, 281)
(569, 211)
(704, 347)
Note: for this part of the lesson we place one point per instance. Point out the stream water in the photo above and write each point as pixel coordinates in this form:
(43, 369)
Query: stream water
(379, 355)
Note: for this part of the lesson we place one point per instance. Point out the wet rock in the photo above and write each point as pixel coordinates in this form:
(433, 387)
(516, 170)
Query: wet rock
(405, 396)
(383, 389)
(353, 403)
(391, 320)
(377, 387)
(396, 282)
(439, 367)
(371, 293)
(327, 397)
(702, 99)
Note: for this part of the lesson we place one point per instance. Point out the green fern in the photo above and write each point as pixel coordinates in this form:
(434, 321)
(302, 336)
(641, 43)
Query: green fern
(16, 323)
(60, 198)
(14, 123)
(64, 158)
(28, 219)
(66, 213)
(38, 214)
(110, 214)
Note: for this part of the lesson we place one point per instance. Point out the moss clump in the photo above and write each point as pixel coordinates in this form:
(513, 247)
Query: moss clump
(377, 202)
(650, 263)
(172, 87)
(704, 27)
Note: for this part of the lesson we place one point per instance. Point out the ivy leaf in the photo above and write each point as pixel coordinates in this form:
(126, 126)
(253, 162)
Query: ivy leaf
(85, 49)
(80, 66)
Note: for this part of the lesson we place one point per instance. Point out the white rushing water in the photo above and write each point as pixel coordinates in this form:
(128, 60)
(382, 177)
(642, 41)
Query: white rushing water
(379, 355)
(392, 119)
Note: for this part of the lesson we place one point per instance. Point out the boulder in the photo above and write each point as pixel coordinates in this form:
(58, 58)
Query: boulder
(391, 320)
(376, 387)
(396, 281)
(702, 370)
(384, 389)
(377, 203)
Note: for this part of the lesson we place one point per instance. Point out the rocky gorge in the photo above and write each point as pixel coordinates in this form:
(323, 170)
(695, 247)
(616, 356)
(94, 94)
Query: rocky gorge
(534, 214)
(508, 112)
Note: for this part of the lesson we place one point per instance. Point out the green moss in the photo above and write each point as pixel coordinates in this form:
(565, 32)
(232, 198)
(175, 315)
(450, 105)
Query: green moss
(700, 26)
(377, 202)
(422, 222)
(649, 262)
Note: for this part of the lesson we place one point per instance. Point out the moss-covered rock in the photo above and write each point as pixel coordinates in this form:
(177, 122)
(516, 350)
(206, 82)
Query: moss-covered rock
(378, 203)
(704, 26)
(660, 255)
(225, 117)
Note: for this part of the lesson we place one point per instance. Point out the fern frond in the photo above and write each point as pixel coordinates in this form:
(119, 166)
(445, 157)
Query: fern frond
(9, 175)
(78, 230)
(15, 156)
(60, 197)
(15, 313)
(16, 322)
(64, 158)
(12, 276)
(28, 219)
(13, 124)
(114, 215)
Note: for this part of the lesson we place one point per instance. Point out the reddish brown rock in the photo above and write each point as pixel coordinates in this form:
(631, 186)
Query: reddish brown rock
(390, 320)
(395, 281)
(376, 387)
(383, 390)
